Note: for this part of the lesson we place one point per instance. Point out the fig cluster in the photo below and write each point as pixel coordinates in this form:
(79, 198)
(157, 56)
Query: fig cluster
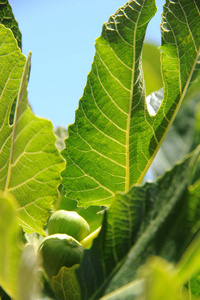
(62, 246)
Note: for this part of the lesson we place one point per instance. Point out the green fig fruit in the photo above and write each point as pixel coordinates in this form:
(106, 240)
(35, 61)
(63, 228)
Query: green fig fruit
(69, 222)
(59, 250)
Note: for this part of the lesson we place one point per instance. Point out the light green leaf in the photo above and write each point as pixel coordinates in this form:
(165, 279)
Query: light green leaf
(189, 264)
(194, 285)
(30, 164)
(164, 281)
(18, 265)
(10, 250)
(65, 285)
(27, 274)
(114, 138)
(160, 281)
(153, 219)
(127, 292)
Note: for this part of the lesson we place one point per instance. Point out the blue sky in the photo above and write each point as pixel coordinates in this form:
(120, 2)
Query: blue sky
(61, 36)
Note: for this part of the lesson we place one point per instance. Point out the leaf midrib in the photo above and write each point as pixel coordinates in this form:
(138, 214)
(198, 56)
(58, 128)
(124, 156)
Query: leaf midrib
(153, 227)
(14, 125)
(127, 180)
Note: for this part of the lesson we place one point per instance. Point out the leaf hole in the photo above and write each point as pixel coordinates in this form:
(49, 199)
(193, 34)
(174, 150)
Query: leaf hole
(12, 112)
(154, 101)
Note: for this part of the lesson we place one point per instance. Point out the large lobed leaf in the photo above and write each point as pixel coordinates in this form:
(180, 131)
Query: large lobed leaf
(99, 145)
(30, 164)
(154, 219)
(114, 138)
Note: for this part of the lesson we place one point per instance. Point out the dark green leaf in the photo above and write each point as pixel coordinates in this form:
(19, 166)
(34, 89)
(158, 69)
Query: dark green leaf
(8, 20)
(148, 220)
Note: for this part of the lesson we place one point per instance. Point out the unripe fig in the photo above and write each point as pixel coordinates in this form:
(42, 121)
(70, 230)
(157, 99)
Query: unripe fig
(59, 250)
(69, 222)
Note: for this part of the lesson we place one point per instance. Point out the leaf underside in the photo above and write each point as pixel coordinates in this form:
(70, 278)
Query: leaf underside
(154, 219)
(114, 138)
(30, 164)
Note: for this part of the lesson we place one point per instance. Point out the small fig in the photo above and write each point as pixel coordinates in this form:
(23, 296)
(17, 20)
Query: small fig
(69, 222)
(59, 250)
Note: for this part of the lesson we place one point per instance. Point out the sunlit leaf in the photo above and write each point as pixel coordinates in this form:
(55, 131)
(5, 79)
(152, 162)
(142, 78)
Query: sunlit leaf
(189, 263)
(114, 138)
(129, 291)
(10, 250)
(160, 281)
(30, 164)
(101, 143)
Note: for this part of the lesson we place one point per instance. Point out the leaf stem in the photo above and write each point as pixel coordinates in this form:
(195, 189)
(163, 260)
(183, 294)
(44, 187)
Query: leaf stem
(87, 242)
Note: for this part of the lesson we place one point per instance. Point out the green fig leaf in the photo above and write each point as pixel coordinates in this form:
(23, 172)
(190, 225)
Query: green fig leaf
(153, 219)
(30, 163)
(115, 136)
